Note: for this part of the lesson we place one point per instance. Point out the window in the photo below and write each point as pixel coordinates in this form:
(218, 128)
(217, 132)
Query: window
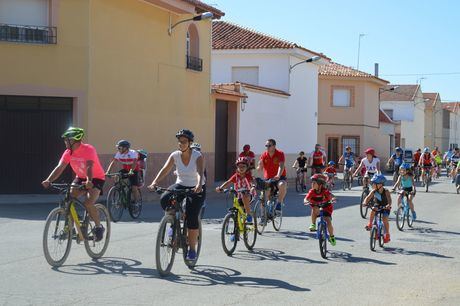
(353, 142)
(192, 41)
(249, 75)
(445, 119)
(342, 96)
(24, 12)
(389, 112)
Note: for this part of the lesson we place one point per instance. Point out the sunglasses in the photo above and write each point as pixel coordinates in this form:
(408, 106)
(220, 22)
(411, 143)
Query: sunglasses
(268, 145)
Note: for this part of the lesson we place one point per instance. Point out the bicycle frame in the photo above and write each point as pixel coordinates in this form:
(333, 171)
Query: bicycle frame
(124, 186)
(378, 222)
(323, 222)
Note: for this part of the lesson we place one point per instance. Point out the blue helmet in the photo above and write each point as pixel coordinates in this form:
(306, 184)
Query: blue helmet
(378, 179)
(331, 163)
(406, 166)
(426, 150)
(398, 149)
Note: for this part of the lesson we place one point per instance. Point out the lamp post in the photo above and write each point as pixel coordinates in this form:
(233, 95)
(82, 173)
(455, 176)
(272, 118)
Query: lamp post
(203, 16)
(359, 48)
(310, 60)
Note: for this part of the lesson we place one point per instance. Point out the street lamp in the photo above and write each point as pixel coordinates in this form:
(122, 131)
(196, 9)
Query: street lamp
(203, 16)
(310, 60)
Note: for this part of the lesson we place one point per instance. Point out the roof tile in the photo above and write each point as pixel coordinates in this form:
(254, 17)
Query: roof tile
(400, 92)
(335, 69)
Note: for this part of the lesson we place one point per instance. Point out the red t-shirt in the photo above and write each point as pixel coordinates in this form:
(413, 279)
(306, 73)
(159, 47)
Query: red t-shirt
(272, 163)
(78, 159)
(331, 170)
(319, 198)
(249, 155)
(242, 182)
(318, 158)
(417, 157)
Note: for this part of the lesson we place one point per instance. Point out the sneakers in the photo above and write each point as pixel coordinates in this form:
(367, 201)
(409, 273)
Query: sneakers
(386, 238)
(278, 206)
(191, 255)
(414, 215)
(248, 219)
(312, 228)
(368, 226)
(99, 232)
(332, 240)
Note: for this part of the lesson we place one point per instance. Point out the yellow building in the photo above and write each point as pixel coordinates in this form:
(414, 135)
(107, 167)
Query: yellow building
(112, 67)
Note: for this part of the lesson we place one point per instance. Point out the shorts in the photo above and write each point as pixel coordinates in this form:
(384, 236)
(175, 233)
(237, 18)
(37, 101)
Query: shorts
(327, 211)
(408, 189)
(303, 170)
(317, 169)
(133, 179)
(369, 174)
(97, 183)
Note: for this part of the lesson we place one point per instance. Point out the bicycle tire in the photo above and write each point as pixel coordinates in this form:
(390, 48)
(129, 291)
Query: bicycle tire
(400, 217)
(114, 204)
(410, 220)
(373, 238)
(226, 233)
(96, 249)
(277, 218)
(322, 238)
(260, 214)
(135, 209)
(170, 247)
(298, 186)
(381, 243)
(65, 234)
(363, 209)
(250, 230)
(427, 183)
(185, 247)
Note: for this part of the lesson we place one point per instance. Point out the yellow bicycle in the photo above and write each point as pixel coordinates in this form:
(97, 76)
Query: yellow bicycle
(235, 224)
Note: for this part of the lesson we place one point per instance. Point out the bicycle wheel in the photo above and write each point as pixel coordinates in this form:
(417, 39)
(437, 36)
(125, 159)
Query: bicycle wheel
(277, 218)
(350, 184)
(135, 209)
(185, 246)
(166, 245)
(96, 249)
(363, 209)
(400, 218)
(410, 220)
(250, 234)
(229, 234)
(298, 184)
(322, 238)
(115, 204)
(260, 216)
(57, 238)
(373, 238)
(381, 243)
(427, 183)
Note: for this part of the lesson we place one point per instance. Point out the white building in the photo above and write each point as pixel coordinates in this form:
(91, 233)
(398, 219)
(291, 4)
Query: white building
(454, 123)
(281, 103)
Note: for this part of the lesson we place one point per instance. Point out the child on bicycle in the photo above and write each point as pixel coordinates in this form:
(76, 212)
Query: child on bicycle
(406, 180)
(319, 194)
(242, 179)
(382, 199)
(331, 172)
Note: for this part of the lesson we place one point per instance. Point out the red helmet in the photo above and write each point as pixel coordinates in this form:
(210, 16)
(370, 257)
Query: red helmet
(242, 160)
(319, 178)
(246, 148)
(370, 151)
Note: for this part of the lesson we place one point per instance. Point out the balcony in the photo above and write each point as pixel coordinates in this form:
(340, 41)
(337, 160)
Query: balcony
(194, 63)
(28, 34)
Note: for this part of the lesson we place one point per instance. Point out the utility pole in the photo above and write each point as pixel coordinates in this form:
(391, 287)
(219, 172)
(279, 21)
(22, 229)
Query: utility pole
(359, 48)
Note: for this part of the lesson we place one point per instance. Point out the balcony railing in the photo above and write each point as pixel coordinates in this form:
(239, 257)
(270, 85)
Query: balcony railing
(194, 63)
(28, 34)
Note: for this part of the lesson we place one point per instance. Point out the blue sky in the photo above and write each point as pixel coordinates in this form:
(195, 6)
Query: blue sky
(403, 36)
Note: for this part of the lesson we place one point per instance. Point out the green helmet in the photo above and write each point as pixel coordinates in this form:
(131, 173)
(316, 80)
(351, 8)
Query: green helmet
(74, 133)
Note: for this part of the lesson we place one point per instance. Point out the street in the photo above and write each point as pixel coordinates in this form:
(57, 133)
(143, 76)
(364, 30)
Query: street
(420, 266)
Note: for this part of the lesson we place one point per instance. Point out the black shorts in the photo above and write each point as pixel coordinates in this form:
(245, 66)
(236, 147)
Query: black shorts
(133, 179)
(303, 170)
(408, 189)
(317, 169)
(97, 183)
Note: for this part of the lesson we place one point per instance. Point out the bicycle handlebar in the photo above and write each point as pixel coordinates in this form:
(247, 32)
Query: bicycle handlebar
(235, 191)
(185, 192)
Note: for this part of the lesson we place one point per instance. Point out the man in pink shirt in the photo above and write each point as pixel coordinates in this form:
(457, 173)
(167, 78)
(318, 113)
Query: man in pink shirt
(85, 163)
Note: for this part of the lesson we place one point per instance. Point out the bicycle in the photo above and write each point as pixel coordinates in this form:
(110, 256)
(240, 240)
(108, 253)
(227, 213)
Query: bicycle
(363, 209)
(300, 184)
(347, 178)
(235, 223)
(265, 210)
(119, 198)
(378, 229)
(329, 181)
(403, 212)
(426, 177)
(65, 224)
(172, 232)
(322, 233)
(417, 174)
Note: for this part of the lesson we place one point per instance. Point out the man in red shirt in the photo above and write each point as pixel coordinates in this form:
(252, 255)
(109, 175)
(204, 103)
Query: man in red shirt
(272, 162)
(317, 160)
(249, 155)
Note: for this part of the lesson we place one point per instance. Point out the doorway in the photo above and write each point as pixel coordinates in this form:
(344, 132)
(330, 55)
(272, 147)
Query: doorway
(226, 139)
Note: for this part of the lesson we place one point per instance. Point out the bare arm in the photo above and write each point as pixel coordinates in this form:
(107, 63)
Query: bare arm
(89, 170)
(56, 172)
(388, 194)
(224, 185)
(200, 170)
(112, 162)
(378, 167)
(359, 168)
(369, 197)
(280, 169)
(260, 165)
(167, 167)
(295, 164)
(398, 181)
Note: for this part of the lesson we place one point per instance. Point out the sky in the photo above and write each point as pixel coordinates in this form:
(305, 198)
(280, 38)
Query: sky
(403, 36)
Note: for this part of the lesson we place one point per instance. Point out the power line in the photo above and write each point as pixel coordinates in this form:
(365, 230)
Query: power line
(422, 74)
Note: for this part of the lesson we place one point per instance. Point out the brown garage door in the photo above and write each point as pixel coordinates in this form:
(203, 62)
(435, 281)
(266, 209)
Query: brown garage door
(30, 143)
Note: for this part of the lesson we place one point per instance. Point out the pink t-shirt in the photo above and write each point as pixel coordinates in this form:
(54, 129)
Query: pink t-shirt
(78, 159)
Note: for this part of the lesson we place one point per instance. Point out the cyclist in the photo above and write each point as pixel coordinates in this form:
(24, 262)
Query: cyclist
(426, 163)
(85, 163)
(417, 155)
(406, 179)
(372, 164)
(348, 159)
(331, 172)
(300, 166)
(396, 159)
(196, 146)
(454, 160)
(317, 160)
(272, 163)
(189, 169)
(129, 161)
(319, 194)
(382, 198)
(249, 155)
(142, 164)
(242, 179)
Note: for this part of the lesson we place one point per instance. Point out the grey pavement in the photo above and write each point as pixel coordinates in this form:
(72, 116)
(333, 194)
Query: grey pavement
(420, 266)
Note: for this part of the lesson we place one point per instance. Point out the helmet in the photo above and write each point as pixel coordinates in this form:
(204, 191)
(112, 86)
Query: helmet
(426, 150)
(143, 152)
(246, 148)
(370, 151)
(185, 133)
(242, 160)
(124, 144)
(418, 150)
(378, 179)
(347, 148)
(196, 146)
(398, 149)
(331, 163)
(319, 178)
(74, 133)
(406, 166)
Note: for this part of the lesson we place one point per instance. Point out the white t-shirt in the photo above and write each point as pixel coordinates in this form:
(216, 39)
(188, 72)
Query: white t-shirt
(371, 167)
(186, 175)
(127, 159)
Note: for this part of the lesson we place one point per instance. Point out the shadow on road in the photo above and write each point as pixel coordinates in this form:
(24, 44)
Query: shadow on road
(348, 257)
(273, 255)
(402, 251)
(430, 230)
(299, 235)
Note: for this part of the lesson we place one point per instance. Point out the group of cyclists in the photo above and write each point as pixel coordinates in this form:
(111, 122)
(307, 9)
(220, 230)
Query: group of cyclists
(189, 168)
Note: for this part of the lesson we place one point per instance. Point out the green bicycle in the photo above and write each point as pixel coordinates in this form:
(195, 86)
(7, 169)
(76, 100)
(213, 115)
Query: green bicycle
(235, 224)
(64, 224)
(119, 198)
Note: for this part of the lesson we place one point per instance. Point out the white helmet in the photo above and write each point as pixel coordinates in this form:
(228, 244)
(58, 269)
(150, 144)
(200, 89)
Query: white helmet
(195, 146)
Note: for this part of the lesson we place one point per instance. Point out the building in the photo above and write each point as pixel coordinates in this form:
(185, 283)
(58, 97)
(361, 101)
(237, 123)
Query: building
(388, 130)
(435, 132)
(112, 67)
(452, 123)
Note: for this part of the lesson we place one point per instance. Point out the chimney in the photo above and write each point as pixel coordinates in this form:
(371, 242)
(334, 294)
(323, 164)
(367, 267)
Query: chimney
(376, 69)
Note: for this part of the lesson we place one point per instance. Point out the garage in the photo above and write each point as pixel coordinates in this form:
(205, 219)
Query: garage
(30, 140)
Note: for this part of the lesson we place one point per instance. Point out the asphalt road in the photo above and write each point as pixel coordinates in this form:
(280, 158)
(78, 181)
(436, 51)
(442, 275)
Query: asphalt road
(420, 266)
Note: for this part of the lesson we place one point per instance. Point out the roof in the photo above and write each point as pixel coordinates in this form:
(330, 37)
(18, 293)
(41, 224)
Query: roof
(232, 89)
(229, 36)
(383, 117)
(202, 7)
(265, 89)
(453, 107)
(399, 93)
(432, 97)
(336, 69)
